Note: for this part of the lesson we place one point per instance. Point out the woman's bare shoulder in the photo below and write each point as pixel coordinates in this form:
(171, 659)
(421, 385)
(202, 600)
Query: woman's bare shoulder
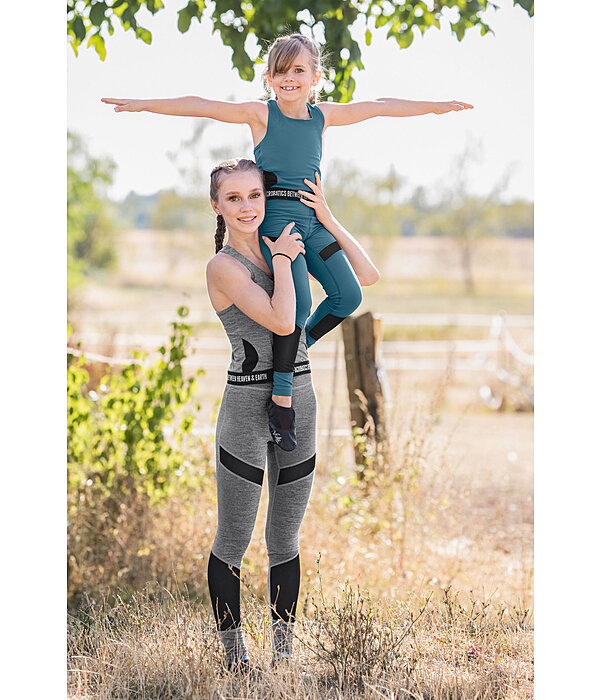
(221, 267)
(221, 271)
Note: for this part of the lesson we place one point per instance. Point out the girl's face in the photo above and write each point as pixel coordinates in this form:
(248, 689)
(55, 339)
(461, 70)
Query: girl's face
(295, 83)
(241, 201)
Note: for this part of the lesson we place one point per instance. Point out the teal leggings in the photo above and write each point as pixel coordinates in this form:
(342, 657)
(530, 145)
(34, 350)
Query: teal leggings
(326, 262)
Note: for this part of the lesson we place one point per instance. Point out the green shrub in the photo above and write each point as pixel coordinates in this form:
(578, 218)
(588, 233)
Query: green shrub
(128, 451)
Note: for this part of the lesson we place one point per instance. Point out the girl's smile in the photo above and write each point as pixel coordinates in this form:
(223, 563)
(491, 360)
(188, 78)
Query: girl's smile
(296, 81)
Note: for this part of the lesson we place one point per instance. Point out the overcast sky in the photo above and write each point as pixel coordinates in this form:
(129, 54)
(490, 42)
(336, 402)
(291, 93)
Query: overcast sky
(494, 73)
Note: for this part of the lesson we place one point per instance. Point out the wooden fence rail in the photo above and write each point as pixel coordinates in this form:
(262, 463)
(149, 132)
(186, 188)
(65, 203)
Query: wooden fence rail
(367, 359)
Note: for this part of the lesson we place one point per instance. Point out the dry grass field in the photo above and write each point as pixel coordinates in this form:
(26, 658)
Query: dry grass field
(415, 584)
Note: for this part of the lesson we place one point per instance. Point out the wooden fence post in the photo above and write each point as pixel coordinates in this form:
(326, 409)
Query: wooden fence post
(362, 336)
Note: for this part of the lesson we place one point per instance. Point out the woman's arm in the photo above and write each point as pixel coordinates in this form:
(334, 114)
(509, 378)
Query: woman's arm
(193, 106)
(366, 272)
(337, 114)
(231, 283)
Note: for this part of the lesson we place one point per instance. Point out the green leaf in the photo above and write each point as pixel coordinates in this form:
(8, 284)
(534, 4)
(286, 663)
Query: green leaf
(184, 21)
(97, 42)
(154, 5)
(97, 13)
(119, 7)
(196, 8)
(381, 20)
(526, 5)
(78, 28)
(485, 29)
(143, 34)
(368, 37)
(405, 38)
(459, 29)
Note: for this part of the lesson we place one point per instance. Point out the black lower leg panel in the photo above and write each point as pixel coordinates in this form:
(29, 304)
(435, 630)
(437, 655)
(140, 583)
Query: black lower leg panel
(224, 587)
(285, 348)
(285, 586)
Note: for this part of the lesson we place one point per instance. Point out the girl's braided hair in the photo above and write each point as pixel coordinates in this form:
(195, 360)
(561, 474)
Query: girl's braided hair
(217, 175)
(285, 49)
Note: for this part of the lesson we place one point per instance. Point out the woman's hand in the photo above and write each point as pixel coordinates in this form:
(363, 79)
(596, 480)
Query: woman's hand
(452, 106)
(124, 105)
(290, 243)
(316, 200)
(365, 271)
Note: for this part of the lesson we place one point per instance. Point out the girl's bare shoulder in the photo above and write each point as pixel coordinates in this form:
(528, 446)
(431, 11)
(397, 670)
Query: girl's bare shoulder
(326, 107)
(260, 109)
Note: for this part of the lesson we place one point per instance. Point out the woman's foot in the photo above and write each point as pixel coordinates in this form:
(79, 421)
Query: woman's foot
(280, 659)
(239, 665)
(282, 425)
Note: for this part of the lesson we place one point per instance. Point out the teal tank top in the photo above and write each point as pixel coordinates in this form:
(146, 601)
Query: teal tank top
(291, 148)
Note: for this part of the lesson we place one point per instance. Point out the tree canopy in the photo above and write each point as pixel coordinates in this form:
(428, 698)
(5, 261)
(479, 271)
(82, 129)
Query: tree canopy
(327, 21)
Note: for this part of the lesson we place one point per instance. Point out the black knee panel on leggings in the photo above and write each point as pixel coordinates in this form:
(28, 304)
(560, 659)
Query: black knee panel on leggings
(226, 606)
(326, 324)
(285, 586)
(329, 250)
(285, 348)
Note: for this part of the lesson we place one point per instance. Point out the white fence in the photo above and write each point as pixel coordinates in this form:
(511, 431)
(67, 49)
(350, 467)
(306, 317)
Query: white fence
(426, 355)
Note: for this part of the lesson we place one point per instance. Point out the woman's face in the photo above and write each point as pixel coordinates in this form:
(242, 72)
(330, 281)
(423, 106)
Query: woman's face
(241, 201)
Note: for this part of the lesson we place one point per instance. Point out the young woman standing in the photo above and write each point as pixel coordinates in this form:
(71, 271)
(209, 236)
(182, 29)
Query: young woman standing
(253, 303)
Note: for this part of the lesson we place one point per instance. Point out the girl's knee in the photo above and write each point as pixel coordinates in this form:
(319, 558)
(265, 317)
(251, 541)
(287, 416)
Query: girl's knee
(350, 299)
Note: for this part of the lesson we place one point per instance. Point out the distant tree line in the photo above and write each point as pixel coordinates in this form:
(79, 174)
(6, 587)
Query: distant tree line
(164, 210)
(368, 205)
(90, 215)
(362, 203)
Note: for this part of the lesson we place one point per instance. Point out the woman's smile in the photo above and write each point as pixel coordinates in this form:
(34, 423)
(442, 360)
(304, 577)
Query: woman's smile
(242, 202)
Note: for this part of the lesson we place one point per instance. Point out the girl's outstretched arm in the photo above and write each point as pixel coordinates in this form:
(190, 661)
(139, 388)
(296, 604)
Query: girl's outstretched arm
(192, 106)
(337, 114)
(366, 272)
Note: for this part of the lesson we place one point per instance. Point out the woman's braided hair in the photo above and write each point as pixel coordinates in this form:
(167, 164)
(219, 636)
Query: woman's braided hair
(217, 174)
(285, 49)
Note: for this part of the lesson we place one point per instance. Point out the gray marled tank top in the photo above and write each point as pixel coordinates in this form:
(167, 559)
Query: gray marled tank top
(251, 343)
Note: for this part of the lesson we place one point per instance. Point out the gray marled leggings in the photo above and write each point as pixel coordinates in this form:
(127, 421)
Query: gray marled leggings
(243, 446)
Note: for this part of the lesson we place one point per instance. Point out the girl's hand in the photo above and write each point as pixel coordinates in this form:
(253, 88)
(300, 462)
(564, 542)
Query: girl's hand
(290, 243)
(124, 105)
(453, 106)
(316, 200)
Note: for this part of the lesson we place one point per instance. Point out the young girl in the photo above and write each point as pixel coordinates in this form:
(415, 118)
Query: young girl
(287, 135)
(253, 300)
